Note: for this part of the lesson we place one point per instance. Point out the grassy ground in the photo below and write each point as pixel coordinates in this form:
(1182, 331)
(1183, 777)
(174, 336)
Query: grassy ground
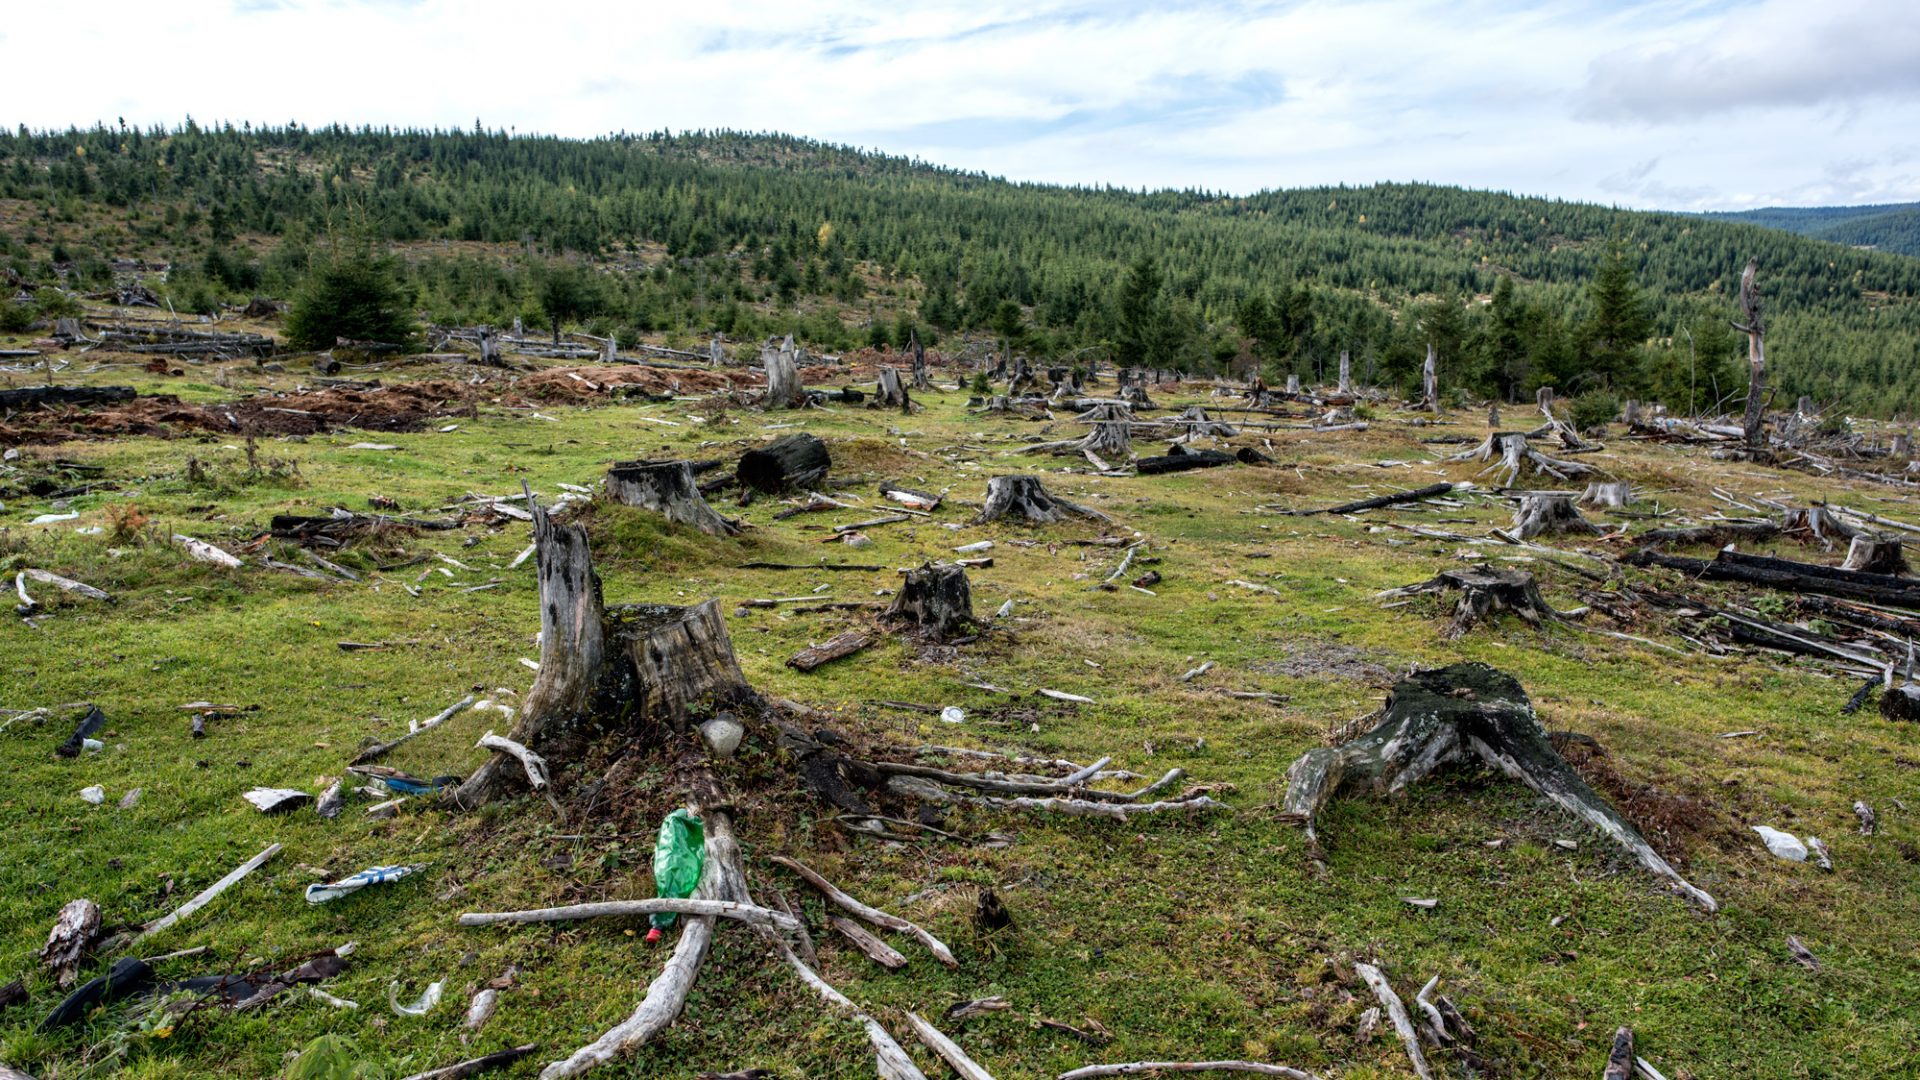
(1190, 938)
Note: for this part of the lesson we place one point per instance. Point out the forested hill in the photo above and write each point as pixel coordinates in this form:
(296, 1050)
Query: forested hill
(752, 234)
(1893, 227)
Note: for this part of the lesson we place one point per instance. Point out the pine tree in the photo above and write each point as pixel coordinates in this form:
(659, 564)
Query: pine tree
(353, 295)
(1619, 327)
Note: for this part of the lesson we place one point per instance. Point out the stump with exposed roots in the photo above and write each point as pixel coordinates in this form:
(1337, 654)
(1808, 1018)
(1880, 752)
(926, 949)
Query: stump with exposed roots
(891, 392)
(1550, 515)
(1608, 495)
(1199, 425)
(935, 602)
(1511, 454)
(668, 488)
(1462, 714)
(1483, 591)
(1024, 498)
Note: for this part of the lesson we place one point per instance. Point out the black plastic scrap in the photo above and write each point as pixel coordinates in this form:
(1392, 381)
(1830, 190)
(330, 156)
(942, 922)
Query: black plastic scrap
(134, 978)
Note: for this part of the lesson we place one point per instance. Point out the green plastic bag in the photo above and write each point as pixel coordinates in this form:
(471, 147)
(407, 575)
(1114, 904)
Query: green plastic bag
(679, 854)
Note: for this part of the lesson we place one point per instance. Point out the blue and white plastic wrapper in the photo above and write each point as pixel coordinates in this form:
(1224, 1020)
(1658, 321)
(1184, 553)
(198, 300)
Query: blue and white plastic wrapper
(372, 875)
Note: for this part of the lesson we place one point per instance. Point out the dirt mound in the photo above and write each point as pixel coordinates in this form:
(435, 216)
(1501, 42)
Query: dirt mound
(1673, 823)
(405, 407)
(584, 384)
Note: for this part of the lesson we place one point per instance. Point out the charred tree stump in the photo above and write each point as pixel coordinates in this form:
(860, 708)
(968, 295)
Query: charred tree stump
(936, 601)
(1550, 515)
(1901, 703)
(794, 461)
(668, 488)
(1022, 382)
(1483, 591)
(1875, 555)
(891, 393)
(1026, 499)
(1457, 715)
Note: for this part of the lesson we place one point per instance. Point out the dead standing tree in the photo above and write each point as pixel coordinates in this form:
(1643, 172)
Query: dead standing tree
(1756, 332)
(921, 380)
(1455, 715)
(1430, 381)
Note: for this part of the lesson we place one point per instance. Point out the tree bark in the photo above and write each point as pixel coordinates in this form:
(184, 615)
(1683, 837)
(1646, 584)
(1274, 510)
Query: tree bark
(668, 488)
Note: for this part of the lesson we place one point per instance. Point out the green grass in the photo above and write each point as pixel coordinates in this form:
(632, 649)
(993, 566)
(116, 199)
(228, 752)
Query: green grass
(1187, 938)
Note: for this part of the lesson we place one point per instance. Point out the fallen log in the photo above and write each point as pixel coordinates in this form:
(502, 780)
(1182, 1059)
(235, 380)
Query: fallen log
(1461, 713)
(1180, 459)
(48, 397)
(475, 1066)
(794, 461)
(1380, 501)
(834, 648)
(1789, 576)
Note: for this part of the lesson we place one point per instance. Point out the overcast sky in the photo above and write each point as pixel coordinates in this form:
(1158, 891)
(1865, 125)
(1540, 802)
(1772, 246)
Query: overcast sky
(1682, 105)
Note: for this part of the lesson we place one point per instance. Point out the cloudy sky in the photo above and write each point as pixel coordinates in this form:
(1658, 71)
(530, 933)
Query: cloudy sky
(1683, 104)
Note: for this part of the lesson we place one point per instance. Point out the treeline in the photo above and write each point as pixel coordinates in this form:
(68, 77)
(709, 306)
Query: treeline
(752, 234)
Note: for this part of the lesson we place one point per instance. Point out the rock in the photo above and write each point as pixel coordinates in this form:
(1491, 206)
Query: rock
(95, 794)
(723, 734)
(1785, 845)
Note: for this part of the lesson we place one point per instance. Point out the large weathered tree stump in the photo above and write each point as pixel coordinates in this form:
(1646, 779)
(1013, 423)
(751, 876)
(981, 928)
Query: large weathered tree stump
(936, 601)
(1483, 591)
(795, 461)
(1025, 498)
(1550, 515)
(1608, 495)
(1875, 555)
(891, 392)
(642, 664)
(668, 488)
(1515, 456)
(1199, 425)
(1461, 714)
(783, 375)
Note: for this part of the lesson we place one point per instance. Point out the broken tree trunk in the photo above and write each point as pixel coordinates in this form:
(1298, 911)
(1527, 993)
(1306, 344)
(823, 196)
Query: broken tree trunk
(1453, 715)
(666, 487)
(783, 376)
(1430, 381)
(1025, 498)
(795, 461)
(639, 663)
(1378, 501)
(1483, 591)
(921, 380)
(1756, 332)
(891, 393)
(1545, 515)
(935, 601)
(1345, 385)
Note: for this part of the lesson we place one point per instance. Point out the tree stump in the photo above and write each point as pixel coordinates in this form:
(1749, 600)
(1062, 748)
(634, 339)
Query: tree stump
(794, 461)
(668, 488)
(936, 601)
(891, 393)
(1608, 495)
(1293, 384)
(1430, 381)
(1483, 591)
(643, 664)
(1875, 555)
(1516, 456)
(783, 375)
(1456, 715)
(1025, 498)
(1345, 386)
(921, 380)
(1550, 515)
(1198, 424)
(1022, 382)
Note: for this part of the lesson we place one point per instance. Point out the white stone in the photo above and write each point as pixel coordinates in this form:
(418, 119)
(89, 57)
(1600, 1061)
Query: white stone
(723, 735)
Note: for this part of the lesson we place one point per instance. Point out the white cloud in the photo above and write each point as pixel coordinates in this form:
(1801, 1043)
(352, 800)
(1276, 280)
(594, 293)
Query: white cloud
(1736, 103)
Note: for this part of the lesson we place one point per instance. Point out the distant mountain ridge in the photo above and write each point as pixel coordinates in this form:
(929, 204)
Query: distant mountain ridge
(1890, 227)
